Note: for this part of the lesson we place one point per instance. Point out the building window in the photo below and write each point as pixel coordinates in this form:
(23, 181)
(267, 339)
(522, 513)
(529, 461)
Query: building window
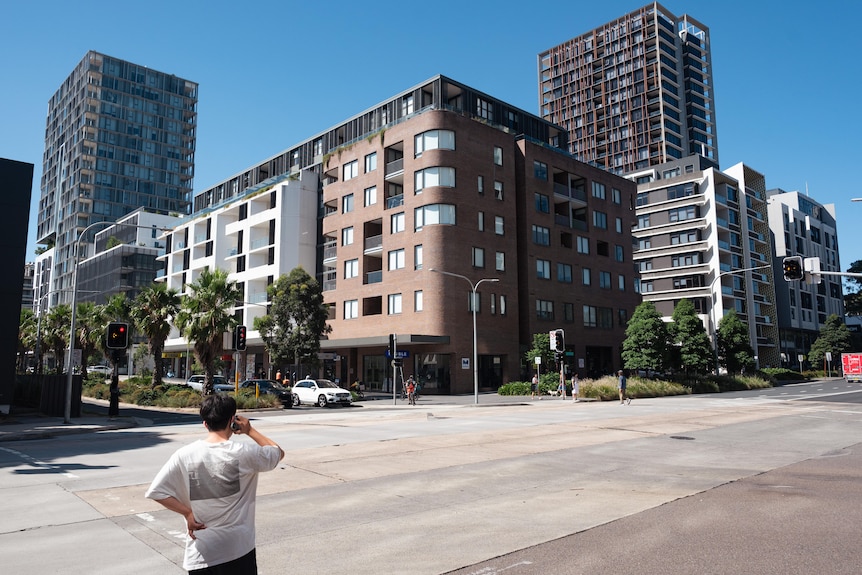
(351, 269)
(474, 302)
(569, 312)
(493, 303)
(498, 225)
(542, 204)
(396, 259)
(407, 105)
(481, 221)
(433, 214)
(619, 253)
(351, 309)
(370, 196)
(500, 258)
(417, 257)
(498, 155)
(350, 170)
(564, 273)
(543, 269)
(603, 248)
(616, 196)
(598, 190)
(347, 204)
(347, 236)
(371, 162)
(685, 260)
(540, 170)
(544, 310)
(478, 257)
(606, 318)
(643, 221)
(480, 185)
(590, 314)
(498, 190)
(502, 304)
(605, 280)
(436, 176)
(621, 282)
(622, 317)
(434, 140)
(541, 235)
(484, 109)
(600, 220)
(394, 306)
(418, 303)
(619, 225)
(586, 276)
(681, 214)
(397, 222)
(583, 245)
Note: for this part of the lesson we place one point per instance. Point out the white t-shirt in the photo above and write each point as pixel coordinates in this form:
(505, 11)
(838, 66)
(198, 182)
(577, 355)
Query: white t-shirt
(219, 482)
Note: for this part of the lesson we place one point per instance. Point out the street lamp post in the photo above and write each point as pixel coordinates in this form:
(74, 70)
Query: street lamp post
(67, 413)
(473, 287)
(714, 300)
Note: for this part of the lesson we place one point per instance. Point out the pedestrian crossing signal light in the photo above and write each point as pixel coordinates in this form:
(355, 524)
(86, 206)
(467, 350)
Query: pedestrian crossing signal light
(118, 335)
(559, 341)
(793, 270)
(239, 338)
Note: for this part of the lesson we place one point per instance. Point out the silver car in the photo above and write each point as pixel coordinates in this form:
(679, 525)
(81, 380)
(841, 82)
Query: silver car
(320, 392)
(196, 382)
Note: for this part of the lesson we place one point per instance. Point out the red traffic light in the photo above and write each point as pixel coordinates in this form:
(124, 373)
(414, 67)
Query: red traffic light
(117, 336)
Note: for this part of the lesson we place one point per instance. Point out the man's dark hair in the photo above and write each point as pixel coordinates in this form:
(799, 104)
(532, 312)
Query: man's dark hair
(217, 410)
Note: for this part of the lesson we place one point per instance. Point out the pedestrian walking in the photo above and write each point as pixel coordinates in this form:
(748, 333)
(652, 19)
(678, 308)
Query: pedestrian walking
(575, 386)
(411, 391)
(534, 386)
(561, 387)
(621, 383)
(212, 483)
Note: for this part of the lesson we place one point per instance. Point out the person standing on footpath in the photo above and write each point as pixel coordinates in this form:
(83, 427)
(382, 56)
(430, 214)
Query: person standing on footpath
(621, 383)
(561, 387)
(575, 389)
(534, 386)
(212, 483)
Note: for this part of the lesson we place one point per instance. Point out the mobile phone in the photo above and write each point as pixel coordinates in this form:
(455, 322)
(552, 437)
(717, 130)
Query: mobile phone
(234, 425)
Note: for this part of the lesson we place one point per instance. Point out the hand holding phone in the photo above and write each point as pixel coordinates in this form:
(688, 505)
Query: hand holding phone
(234, 425)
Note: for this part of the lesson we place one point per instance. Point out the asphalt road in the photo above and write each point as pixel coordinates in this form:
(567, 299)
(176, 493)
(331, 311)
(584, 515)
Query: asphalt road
(750, 482)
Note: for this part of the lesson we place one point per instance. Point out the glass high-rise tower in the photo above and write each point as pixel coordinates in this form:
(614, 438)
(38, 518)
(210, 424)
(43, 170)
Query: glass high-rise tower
(635, 92)
(118, 136)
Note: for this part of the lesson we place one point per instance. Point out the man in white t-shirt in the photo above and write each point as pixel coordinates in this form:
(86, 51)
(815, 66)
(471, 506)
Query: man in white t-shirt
(213, 484)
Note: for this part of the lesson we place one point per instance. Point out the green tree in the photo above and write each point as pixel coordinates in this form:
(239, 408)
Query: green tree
(151, 311)
(26, 336)
(296, 320)
(734, 348)
(541, 348)
(646, 343)
(90, 322)
(834, 337)
(55, 330)
(690, 339)
(853, 290)
(205, 315)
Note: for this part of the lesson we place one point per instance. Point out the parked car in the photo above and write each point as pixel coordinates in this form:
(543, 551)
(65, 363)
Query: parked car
(107, 370)
(270, 387)
(196, 382)
(320, 392)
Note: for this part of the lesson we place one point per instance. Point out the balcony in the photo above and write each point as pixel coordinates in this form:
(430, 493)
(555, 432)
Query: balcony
(374, 277)
(394, 201)
(373, 244)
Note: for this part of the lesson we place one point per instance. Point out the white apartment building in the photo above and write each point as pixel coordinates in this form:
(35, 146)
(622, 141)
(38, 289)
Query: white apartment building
(256, 236)
(702, 234)
(801, 226)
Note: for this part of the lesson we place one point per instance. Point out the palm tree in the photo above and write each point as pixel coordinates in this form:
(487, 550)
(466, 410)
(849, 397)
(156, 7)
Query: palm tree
(151, 311)
(90, 325)
(204, 318)
(56, 333)
(26, 337)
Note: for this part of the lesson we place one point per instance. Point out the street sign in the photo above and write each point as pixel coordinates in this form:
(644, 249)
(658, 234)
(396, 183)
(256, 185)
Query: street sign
(401, 354)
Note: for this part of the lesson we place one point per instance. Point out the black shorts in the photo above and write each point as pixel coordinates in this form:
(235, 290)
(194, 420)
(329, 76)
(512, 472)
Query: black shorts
(245, 565)
(534, 387)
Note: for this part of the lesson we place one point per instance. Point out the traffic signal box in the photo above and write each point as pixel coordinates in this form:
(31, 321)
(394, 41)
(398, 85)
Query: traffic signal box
(793, 270)
(118, 335)
(239, 338)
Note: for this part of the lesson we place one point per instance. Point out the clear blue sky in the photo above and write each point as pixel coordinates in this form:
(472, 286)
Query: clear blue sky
(273, 73)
